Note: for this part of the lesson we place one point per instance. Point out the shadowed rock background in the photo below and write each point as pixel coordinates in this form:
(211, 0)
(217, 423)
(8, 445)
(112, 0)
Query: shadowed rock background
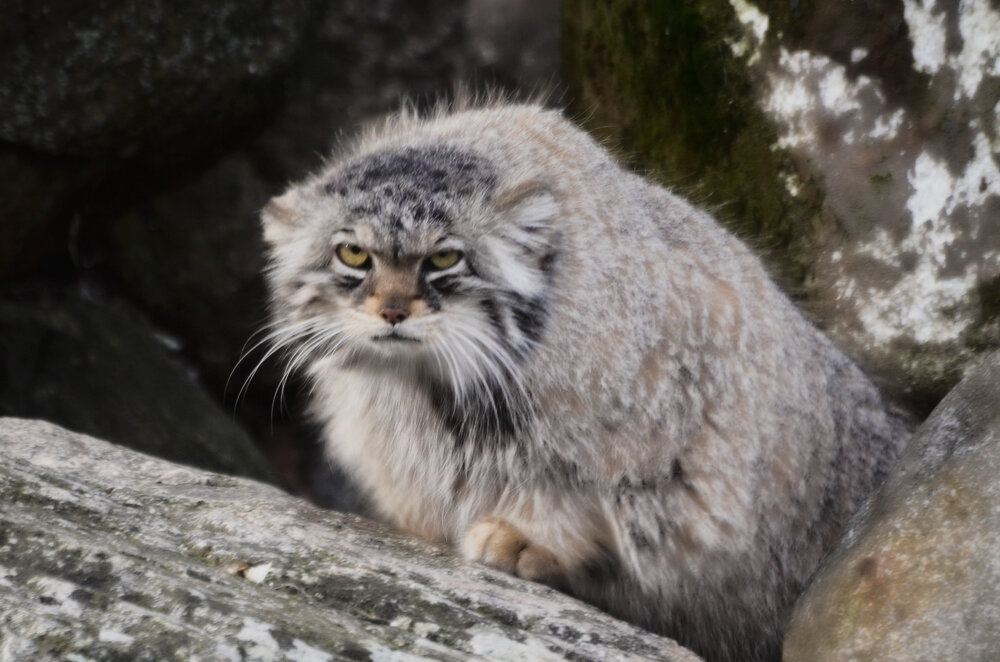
(855, 145)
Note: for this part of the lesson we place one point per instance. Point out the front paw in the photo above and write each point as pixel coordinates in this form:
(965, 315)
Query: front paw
(498, 543)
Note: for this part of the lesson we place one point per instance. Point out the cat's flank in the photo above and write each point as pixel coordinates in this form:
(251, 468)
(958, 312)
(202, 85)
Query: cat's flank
(570, 373)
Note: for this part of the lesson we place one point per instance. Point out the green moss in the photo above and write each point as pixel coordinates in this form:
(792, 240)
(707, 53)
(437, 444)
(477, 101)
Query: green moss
(880, 180)
(660, 81)
(56, 644)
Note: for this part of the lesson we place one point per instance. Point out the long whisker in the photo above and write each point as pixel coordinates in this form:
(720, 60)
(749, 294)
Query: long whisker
(469, 351)
(280, 338)
(308, 344)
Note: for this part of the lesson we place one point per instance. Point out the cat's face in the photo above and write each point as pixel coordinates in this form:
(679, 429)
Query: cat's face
(412, 258)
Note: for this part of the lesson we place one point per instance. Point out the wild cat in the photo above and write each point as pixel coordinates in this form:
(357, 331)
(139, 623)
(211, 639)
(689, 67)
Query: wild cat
(518, 347)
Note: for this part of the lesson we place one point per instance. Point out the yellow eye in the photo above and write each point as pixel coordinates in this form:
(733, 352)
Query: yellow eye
(444, 259)
(353, 256)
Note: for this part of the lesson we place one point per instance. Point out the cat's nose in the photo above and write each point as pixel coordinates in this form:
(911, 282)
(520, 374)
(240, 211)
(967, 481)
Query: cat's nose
(393, 315)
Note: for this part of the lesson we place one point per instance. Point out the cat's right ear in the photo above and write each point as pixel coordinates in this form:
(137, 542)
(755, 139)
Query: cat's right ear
(280, 217)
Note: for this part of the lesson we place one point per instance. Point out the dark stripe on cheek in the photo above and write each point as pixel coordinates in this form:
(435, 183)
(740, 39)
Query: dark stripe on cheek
(529, 315)
(432, 297)
(489, 307)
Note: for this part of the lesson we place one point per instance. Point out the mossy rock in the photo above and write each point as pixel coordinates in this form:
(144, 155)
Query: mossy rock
(659, 81)
(864, 170)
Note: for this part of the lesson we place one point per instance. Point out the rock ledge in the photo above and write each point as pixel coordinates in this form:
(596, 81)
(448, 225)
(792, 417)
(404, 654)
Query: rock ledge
(106, 553)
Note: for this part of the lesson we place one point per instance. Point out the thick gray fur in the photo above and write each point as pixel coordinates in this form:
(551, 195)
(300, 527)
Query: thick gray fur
(607, 392)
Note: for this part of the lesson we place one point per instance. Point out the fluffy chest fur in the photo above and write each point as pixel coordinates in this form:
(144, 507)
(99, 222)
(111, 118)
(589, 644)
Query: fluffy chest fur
(393, 437)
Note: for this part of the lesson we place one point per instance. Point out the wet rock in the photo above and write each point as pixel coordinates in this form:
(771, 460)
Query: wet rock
(109, 554)
(856, 142)
(917, 576)
(96, 369)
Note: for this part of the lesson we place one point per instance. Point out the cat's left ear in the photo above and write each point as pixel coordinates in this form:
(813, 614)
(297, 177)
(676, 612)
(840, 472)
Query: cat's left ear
(529, 214)
(281, 216)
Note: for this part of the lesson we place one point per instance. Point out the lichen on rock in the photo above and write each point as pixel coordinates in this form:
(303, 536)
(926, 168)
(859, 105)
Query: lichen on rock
(855, 145)
(107, 553)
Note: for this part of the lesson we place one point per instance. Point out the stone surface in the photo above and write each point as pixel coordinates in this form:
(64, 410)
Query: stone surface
(109, 554)
(95, 368)
(856, 143)
(192, 259)
(917, 576)
(103, 100)
(97, 78)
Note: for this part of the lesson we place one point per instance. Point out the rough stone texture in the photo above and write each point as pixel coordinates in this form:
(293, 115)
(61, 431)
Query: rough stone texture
(856, 142)
(192, 258)
(92, 91)
(94, 368)
(917, 577)
(98, 77)
(110, 554)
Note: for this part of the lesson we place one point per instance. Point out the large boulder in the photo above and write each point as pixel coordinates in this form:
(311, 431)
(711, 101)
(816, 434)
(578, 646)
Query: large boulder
(97, 368)
(94, 92)
(854, 143)
(917, 576)
(110, 554)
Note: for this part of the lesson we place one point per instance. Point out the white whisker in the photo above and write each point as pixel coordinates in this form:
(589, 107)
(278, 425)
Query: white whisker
(281, 338)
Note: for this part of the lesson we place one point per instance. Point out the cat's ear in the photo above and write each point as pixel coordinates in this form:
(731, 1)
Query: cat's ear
(529, 215)
(281, 216)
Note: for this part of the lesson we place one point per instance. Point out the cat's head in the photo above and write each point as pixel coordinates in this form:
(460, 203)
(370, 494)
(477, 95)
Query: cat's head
(423, 256)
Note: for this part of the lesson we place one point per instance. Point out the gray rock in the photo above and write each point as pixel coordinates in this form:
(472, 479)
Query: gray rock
(102, 100)
(96, 369)
(917, 576)
(192, 260)
(109, 554)
(856, 142)
(515, 43)
(97, 78)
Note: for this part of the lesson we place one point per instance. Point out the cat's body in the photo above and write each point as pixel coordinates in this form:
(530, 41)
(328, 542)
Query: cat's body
(601, 389)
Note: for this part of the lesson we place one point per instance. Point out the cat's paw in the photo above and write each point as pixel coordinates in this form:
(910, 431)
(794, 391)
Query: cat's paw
(499, 543)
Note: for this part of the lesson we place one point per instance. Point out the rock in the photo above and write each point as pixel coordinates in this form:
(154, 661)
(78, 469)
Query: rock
(94, 92)
(917, 576)
(515, 43)
(857, 143)
(192, 259)
(109, 554)
(95, 369)
(96, 78)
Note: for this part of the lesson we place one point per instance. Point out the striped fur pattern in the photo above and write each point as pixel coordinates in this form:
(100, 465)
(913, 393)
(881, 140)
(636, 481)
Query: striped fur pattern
(602, 389)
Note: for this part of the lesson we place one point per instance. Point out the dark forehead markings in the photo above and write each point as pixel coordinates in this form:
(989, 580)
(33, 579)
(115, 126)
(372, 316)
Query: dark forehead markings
(418, 183)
